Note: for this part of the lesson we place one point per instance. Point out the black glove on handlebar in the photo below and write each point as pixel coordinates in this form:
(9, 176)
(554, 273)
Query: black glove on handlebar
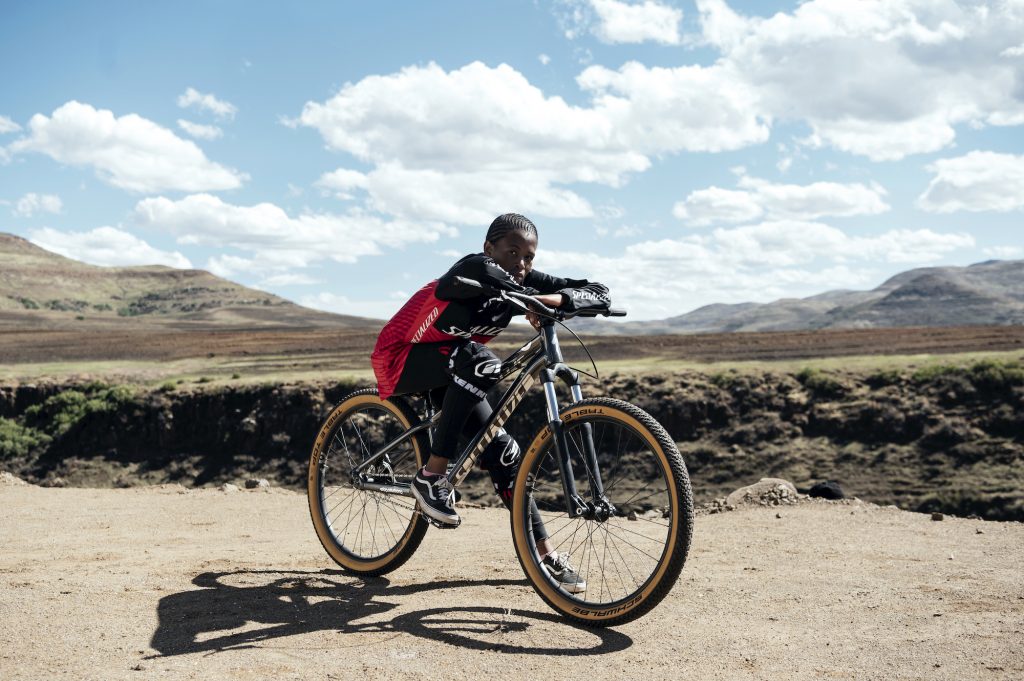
(590, 298)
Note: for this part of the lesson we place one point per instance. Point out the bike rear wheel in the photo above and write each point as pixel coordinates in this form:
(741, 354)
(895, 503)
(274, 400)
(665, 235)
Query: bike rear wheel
(364, 531)
(630, 560)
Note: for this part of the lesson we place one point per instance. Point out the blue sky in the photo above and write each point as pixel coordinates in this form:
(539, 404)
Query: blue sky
(685, 153)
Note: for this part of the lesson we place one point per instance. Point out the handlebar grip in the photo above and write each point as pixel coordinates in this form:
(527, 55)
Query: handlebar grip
(616, 312)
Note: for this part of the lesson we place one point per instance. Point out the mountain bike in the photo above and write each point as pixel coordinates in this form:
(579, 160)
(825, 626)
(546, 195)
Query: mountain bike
(608, 481)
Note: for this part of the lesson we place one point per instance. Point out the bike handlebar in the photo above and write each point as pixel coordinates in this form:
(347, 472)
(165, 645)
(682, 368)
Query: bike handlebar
(528, 302)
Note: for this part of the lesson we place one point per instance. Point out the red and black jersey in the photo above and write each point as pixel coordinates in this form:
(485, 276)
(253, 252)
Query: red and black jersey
(442, 311)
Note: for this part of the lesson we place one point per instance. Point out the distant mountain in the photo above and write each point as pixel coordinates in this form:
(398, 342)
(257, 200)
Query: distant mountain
(986, 293)
(42, 289)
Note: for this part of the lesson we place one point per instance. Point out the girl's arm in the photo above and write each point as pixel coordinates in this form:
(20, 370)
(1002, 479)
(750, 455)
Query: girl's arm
(478, 267)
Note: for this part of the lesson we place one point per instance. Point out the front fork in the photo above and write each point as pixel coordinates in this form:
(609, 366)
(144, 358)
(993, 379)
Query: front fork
(598, 507)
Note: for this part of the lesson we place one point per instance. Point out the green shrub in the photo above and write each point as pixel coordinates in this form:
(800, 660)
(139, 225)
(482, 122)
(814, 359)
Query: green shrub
(724, 379)
(59, 413)
(820, 383)
(994, 375)
(204, 379)
(16, 440)
(934, 372)
(168, 387)
(884, 377)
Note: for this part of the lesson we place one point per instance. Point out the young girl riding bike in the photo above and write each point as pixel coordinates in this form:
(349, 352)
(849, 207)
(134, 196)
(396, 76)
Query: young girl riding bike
(436, 343)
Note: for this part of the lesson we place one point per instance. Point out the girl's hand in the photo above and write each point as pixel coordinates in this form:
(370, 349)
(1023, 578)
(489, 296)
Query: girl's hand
(553, 300)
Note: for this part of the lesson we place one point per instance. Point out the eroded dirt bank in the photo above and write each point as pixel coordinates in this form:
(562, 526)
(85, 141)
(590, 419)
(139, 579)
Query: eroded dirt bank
(170, 583)
(946, 439)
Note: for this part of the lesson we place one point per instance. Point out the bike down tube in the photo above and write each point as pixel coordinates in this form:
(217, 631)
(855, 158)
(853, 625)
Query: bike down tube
(506, 405)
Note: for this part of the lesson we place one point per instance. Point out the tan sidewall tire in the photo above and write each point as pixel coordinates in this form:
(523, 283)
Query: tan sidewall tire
(640, 603)
(416, 527)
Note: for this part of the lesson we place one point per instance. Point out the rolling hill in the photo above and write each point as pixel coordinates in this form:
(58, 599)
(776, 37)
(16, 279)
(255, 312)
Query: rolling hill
(40, 289)
(987, 293)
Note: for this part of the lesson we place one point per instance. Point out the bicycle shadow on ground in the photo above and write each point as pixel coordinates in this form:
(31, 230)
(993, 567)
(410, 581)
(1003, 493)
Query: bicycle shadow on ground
(267, 604)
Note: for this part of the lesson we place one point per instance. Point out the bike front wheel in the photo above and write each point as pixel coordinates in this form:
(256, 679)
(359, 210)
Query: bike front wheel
(630, 560)
(366, 531)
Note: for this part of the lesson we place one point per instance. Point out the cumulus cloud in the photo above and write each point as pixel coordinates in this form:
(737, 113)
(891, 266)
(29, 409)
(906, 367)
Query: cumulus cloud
(206, 102)
(32, 204)
(619, 21)
(1004, 252)
(7, 125)
(623, 22)
(471, 198)
(107, 246)
(129, 152)
(689, 108)
(942, 67)
(290, 280)
(977, 181)
(760, 263)
(273, 241)
(343, 182)
(202, 132)
(758, 198)
(340, 304)
(479, 131)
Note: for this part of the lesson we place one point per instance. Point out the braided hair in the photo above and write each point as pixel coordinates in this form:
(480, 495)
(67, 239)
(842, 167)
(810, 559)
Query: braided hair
(510, 222)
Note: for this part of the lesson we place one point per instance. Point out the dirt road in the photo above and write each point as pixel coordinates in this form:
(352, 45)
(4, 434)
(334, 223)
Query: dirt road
(172, 583)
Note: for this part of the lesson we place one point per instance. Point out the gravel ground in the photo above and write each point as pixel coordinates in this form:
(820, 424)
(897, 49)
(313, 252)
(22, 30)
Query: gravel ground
(164, 582)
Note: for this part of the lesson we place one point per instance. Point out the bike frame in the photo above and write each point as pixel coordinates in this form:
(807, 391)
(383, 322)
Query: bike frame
(541, 361)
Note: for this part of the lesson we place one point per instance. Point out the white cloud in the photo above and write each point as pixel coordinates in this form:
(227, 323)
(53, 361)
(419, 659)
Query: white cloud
(619, 21)
(7, 125)
(31, 204)
(471, 198)
(276, 242)
(207, 102)
(759, 263)
(544, 59)
(106, 246)
(472, 119)
(884, 80)
(622, 22)
(374, 309)
(453, 145)
(343, 182)
(290, 280)
(714, 204)
(655, 110)
(1004, 252)
(129, 152)
(1016, 51)
(977, 181)
(757, 198)
(202, 132)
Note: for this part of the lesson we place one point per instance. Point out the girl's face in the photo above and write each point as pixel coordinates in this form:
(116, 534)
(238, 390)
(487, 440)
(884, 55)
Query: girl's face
(514, 252)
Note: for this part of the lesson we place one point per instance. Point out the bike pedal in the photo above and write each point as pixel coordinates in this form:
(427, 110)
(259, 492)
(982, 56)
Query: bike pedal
(442, 526)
